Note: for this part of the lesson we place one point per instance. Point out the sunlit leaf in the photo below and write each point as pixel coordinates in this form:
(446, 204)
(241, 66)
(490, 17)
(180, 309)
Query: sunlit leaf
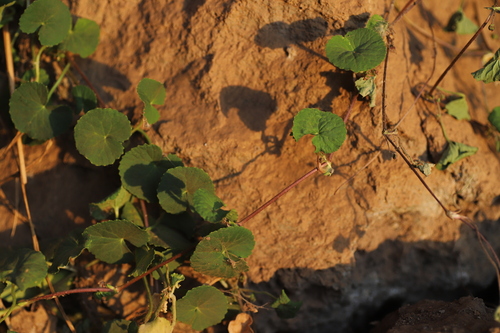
(358, 51)
(366, 87)
(178, 185)
(51, 16)
(23, 267)
(285, 308)
(159, 325)
(208, 205)
(85, 98)
(454, 152)
(221, 253)
(461, 24)
(151, 92)
(31, 115)
(100, 133)
(490, 71)
(378, 24)
(83, 38)
(106, 240)
(141, 170)
(202, 307)
(111, 205)
(328, 129)
(457, 107)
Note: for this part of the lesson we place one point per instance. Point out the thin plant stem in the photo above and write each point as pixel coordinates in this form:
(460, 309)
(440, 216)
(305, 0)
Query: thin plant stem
(150, 300)
(279, 195)
(144, 213)
(409, 5)
(86, 79)
(452, 63)
(37, 63)
(59, 80)
(60, 307)
(13, 306)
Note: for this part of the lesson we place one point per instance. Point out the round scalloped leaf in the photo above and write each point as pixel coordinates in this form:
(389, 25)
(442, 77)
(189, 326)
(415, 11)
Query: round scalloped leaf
(85, 98)
(358, 51)
(494, 118)
(454, 152)
(30, 114)
(221, 253)
(178, 185)
(208, 205)
(83, 39)
(151, 92)
(328, 129)
(100, 133)
(141, 170)
(23, 267)
(202, 307)
(106, 240)
(51, 16)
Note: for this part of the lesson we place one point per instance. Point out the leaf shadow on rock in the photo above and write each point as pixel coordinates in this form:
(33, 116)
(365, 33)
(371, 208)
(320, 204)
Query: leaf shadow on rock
(351, 297)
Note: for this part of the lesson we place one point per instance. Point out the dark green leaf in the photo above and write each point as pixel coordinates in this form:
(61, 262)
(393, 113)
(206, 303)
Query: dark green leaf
(51, 16)
(202, 307)
(85, 98)
(100, 133)
(490, 71)
(129, 212)
(461, 24)
(120, 326)
(142, 168)
(30, 76)
(457, 107)
(70, 248)
(454, 152)
(166, 237)
(208, 205)
(83, 39)
(359, 51)
(30, 114)
(23, 267)
(151, 92)
(221, 253)
(143, 259)
(106, 240)
(285, 308)
(178, 185)
(110, 205)
(328, 129)
(494, 118)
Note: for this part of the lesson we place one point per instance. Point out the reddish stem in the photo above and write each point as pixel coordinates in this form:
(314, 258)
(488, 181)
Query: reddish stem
(87, 81)
(279, 195)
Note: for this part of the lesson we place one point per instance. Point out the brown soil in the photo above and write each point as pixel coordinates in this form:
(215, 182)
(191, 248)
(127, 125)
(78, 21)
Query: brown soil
(236, 73)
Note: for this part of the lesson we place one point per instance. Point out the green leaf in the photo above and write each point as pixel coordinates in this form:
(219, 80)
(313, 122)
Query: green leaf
(159, 325)
(461, 24)
(143, 259)
(30, 76)
(166, 237)
(129, 212)
(106, 240)
(178, 185)
(358, 51)
(208, 205)
(457, 107)
(151, 92)
(494, 118)
(85, 98)
(70, 248)
(202, 307)
(31, 115)
(454, 152)
(490, 71)
(285, 308)
(100, 133)
(328, 129)
(119, 326)
(23, 267)
(110, 205)
(378, 24)
(366, 87)
(83, 39)
(221, 253)
(51, 16)
(141, 170)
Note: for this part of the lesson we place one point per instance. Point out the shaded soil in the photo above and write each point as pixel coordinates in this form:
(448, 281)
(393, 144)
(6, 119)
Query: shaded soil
(236, 73)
